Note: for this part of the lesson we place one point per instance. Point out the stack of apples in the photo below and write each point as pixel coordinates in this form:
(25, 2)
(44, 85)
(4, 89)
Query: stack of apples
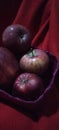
(21, 64)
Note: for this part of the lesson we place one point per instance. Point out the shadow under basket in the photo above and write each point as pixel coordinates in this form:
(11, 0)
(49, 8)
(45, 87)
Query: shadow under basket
(32, 108)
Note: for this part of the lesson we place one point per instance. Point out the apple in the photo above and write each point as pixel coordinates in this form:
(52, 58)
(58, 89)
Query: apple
(16, 38)
(28, 86)
(35, 61)
(9, 68)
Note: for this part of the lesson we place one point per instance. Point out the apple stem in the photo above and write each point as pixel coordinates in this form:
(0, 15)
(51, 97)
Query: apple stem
(25, 80)
(31, 54)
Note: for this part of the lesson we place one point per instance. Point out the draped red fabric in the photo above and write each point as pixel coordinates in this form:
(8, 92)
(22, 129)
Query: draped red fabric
(41, 17)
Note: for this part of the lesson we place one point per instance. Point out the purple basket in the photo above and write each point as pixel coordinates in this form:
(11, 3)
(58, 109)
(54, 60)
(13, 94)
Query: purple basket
(32, 107)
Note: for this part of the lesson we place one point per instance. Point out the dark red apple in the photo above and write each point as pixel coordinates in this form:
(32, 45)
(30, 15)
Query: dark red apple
(28, 86)
(9, 68)
(17, 39)
(36, 61)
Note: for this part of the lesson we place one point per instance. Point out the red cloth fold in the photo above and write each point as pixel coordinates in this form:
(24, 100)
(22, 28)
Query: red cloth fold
(41, 17)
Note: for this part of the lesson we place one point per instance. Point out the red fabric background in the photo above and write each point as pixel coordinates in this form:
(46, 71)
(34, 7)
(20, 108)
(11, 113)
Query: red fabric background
(41, 17)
